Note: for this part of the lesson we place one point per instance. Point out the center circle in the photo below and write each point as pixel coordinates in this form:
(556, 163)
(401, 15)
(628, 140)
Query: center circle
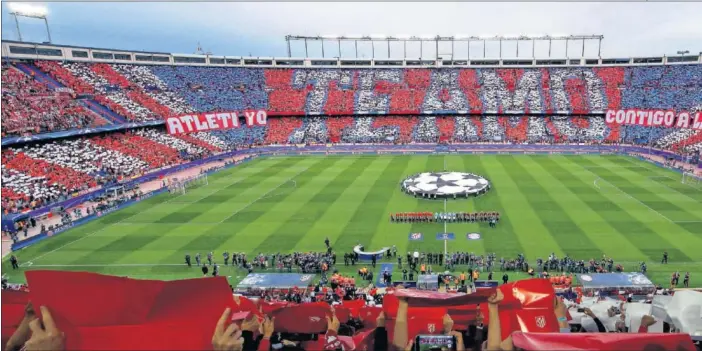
(441, 185)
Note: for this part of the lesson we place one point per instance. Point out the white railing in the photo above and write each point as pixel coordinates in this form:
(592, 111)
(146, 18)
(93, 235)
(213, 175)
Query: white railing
(37, 51)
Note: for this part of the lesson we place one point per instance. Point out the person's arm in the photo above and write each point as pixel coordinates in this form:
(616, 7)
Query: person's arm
(400, 336)
(381, 334)
(561, 315)
(600, 327)
(45, 334)
(22, 334)
(331, 338)
(646, 321)
(267, 328)
(494, 338)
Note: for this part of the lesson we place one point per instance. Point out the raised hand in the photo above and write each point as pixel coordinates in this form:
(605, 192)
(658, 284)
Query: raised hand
(227, 338)
(496, 298)
(48, 337)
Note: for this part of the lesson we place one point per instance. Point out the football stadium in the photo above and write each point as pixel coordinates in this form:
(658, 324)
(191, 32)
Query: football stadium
(366, 198)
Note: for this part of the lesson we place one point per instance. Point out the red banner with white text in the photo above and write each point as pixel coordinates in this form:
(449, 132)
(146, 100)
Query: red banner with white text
(204, 122)
(655, 118)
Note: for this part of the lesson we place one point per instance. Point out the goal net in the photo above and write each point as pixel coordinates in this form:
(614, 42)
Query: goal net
(181, 185)
(691, 180)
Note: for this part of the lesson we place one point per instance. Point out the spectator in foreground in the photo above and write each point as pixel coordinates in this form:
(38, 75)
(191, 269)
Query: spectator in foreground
(33, 334)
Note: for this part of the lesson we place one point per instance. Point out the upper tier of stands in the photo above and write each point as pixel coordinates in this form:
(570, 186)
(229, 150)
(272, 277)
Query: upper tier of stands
(117, 93)
(31, 107)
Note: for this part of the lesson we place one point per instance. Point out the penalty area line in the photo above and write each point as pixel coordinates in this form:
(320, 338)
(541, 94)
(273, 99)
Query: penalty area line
(266, 194)
(30, 262)
(622, 192)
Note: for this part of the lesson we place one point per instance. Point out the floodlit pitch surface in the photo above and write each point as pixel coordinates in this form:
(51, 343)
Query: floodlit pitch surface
(583, 206)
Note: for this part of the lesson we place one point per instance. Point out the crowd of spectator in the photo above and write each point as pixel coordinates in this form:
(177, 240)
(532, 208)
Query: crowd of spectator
(526, 315)
(109, 90)
(39, 181)
(35, 175)
(154, 87)
(147, 92)
(107, 158)
(186, 149)
(30, 107)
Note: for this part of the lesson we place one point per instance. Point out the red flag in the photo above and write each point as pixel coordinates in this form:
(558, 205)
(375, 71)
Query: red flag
(245, 305)
(270, 307)
(369, 315)
(424, 298)
(99, 312)
(354, 306)
(421, 321)
(309, 318)
(13, 305)
(342, 314)
(527, 306)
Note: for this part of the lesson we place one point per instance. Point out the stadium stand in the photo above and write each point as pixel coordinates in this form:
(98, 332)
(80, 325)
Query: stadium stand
(31, 107)
(55, 181)
(155, 154)
(102, 93)
(313, 106)
(136, 92)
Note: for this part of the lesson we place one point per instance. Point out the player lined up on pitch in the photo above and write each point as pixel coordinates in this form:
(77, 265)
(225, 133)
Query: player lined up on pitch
(472, 217)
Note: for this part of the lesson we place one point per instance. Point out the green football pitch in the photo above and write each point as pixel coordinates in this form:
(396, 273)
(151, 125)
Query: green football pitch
(582, 206)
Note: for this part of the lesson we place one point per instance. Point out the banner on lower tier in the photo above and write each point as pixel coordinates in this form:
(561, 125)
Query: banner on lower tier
(203, 122)
(655, 118)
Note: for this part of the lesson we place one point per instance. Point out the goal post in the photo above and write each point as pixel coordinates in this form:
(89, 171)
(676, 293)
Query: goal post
(181, 185)
(691, 179)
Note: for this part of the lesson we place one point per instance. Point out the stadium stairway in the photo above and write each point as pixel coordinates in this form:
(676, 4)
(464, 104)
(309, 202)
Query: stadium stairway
(92, 105)
(37, 74)
(383, 267)
(103, 111)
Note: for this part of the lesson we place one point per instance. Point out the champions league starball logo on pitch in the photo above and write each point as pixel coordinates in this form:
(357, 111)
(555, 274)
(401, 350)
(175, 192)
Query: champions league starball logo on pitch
(442, 185)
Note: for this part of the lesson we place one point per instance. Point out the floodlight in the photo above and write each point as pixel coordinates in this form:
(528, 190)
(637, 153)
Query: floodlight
(28, 10)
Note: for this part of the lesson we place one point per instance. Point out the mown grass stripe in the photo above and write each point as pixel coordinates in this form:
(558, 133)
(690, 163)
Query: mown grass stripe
(559, 222)
(208, 237)
(117, 248)
(396, 233)
(628, 182)
(271, 213)
(521, 227)
(686, 243)
(485, 202)
(297, 225)
(361, 227)
(607, 229)
(340, 212)
(433, 163)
